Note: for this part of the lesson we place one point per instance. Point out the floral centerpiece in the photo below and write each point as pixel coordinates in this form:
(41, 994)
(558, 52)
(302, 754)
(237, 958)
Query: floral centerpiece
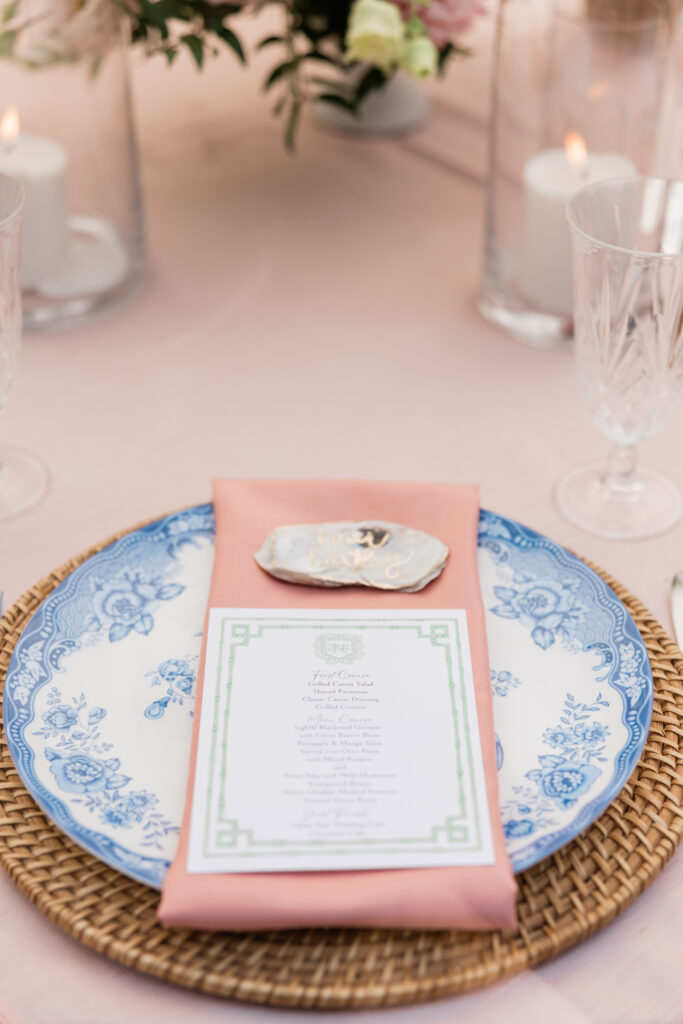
(317, 39)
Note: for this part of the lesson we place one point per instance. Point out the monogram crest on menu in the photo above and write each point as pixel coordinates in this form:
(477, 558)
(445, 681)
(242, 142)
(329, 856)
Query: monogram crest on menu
(338, 648)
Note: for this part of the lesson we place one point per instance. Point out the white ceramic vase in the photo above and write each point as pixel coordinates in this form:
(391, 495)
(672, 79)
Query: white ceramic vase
(400, 107)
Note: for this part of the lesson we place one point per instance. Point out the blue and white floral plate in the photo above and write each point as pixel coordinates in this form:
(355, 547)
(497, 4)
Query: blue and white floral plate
(99, 696)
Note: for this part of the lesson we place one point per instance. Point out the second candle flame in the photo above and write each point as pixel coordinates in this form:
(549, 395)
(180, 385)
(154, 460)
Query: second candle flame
(575, 148)
(9, 127)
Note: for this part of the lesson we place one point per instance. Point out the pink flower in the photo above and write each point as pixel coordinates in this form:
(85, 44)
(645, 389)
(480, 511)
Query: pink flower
(444, 20)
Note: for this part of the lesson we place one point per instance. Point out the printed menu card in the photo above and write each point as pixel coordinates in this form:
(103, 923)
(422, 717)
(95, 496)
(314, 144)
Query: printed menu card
(335, 740)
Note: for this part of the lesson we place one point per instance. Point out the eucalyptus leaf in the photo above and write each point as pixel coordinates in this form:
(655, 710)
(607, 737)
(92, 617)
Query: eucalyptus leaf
(281, 69)
(229, 37)
(371, 80)
(270, 41)
(279, 106)
(291, 127)
(336, 100)
(196, 47)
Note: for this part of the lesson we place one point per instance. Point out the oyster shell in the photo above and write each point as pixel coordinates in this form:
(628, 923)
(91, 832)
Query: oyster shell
(370, 553)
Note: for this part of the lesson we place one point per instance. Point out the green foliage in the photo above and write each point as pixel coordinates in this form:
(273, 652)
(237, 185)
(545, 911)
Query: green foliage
(312, 35)
(7, 40)
(8, 11)
(154, 21)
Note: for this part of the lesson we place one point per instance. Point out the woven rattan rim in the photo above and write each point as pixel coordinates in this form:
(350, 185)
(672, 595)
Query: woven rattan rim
(563, 900)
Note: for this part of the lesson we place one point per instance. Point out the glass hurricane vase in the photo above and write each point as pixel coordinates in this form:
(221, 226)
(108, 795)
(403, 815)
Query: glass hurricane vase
(584, 90)
(68, 135)
(23, 477)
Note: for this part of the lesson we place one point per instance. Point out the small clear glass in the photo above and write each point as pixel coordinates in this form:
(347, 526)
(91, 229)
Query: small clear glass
(23, 477)
(627, 240)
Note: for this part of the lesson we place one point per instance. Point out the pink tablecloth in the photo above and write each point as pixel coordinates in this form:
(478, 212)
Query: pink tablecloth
(272, 279)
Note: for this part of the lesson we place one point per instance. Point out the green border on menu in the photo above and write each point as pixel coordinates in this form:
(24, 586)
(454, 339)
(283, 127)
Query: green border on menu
(454, 833)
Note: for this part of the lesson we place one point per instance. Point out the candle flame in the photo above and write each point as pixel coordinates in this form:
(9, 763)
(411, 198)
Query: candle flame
(575, 148)
(598, 90)
(9, 126)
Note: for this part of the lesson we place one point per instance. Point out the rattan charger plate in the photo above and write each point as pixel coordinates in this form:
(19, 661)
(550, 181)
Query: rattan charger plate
(562, 900)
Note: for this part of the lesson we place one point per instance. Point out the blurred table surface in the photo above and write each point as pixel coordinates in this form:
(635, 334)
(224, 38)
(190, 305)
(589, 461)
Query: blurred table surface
(313, 316)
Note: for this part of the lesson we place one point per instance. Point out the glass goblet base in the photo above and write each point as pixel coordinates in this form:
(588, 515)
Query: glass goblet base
(23, 481)
(648, 504)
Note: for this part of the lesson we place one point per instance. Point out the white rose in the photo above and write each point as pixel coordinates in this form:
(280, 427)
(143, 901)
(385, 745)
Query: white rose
(420, 57)
(375, 34)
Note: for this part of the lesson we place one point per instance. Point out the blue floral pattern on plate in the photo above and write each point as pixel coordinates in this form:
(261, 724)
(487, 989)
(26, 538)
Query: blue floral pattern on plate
(178, 677)
(549, 608)
(99, 694)
(79, 763)
(551, 620)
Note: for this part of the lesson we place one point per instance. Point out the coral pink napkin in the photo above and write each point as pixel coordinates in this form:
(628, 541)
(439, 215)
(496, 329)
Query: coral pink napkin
(459, 897)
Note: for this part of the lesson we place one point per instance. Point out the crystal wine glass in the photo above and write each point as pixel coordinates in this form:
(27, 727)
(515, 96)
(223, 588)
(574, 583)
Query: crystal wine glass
(23, 478)
(627, 238)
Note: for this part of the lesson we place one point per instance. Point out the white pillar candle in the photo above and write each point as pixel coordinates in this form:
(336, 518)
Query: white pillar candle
(40, 165)
(550, 179)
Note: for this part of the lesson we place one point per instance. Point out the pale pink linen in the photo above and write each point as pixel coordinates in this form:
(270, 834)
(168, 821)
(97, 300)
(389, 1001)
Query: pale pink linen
(462, 897)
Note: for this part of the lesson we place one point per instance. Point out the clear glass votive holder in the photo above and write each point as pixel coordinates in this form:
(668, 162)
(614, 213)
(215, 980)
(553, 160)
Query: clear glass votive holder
(628, 298)
(67, 134)
(584, 91)
(23, 477)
